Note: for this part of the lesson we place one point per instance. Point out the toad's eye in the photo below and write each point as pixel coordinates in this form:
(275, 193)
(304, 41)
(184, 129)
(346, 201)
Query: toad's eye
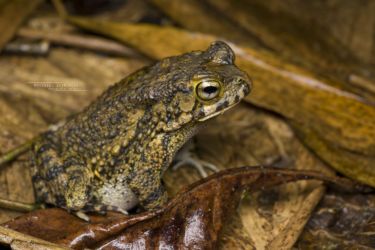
(208, 90)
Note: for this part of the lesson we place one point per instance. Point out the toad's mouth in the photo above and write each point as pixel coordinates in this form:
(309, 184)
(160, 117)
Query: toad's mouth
(217, 113)
(227, 103)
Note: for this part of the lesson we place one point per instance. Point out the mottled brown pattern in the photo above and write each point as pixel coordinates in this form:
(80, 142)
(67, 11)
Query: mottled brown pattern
(112, 155)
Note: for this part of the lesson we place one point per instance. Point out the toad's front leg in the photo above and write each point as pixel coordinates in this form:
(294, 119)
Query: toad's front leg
(148, 187)
(78, 193)
(187, 157)
(86, 193)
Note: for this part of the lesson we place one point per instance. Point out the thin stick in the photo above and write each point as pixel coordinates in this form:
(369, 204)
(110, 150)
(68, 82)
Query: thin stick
(17, 240)
(60, 8)
(28, 48)
(80, 41)
(18, 206)
(15, 152)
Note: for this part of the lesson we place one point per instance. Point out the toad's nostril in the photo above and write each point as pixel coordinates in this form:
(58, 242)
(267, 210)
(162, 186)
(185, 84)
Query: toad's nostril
(246, 89)
(246, 83)
(239, 80)
(245, 86)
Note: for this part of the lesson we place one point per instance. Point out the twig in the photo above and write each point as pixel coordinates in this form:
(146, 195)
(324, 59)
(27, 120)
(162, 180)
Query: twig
(18, 206)
(80, 41)
(15, 152)
(40, 48)
(362, 82)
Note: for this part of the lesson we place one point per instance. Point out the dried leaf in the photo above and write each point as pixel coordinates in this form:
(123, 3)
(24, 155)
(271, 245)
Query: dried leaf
(193, 219)
(341, 222)
(199, 16)
(246, 135)
(350, 22)
(20, 241)
(337, 125)
(12, 14)
(267, 27)
(234, 235)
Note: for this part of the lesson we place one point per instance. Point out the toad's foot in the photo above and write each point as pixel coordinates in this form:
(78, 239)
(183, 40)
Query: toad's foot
(98, 209)
(200, 165)
(82, 216)
(187, 157)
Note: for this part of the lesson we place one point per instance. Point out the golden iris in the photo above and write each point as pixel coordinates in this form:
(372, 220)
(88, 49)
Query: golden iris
(208, 89)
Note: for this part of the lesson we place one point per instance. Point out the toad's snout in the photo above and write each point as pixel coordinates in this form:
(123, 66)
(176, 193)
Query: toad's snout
(244, 83)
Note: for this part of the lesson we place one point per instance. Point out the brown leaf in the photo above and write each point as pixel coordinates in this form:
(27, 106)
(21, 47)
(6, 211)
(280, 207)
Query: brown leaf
(345, 221)
(199, 16)
(350, 22)
(338, 126)
(17, 240)
(12, 14)
(193, 219)
(282, 28)
(247, 135)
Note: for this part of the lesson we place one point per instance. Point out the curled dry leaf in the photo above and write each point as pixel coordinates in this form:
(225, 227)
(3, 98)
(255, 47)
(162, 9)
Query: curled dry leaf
(194, 219)
(338, 126)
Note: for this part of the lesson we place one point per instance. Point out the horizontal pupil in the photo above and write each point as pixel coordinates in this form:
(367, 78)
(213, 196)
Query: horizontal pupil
(210, 89)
